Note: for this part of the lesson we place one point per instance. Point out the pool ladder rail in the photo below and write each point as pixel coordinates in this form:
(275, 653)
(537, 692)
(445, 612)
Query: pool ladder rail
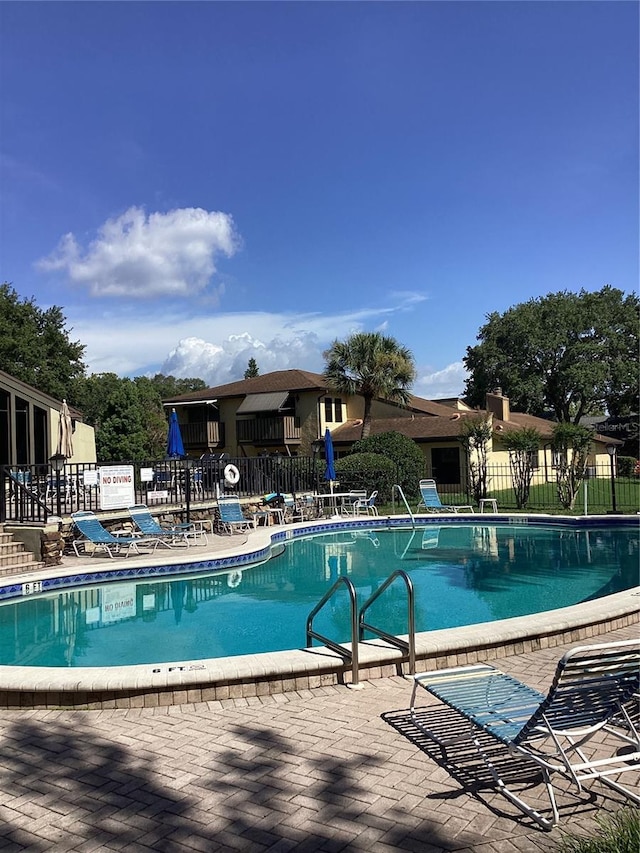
(359, 626)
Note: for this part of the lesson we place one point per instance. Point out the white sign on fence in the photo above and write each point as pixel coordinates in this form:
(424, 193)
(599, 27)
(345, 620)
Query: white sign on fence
(117, 486)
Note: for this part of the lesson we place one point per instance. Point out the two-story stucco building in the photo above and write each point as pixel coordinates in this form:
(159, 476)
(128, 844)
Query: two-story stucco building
(287, 412)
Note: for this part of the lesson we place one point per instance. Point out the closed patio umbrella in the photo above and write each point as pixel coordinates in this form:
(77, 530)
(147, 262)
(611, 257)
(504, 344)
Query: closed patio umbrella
(330, 470)
(175, 447)
(65, 432)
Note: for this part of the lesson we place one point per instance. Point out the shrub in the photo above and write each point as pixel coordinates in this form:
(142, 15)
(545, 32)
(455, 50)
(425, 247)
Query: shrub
(626, 466)
(619, 833)
(405, 454)
(368, 471)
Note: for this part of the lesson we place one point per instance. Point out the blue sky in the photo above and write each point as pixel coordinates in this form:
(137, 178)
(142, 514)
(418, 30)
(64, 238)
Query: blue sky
(199, 183)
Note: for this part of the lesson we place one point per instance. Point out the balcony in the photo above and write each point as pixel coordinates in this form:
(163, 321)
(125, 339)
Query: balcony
(263, 430)
(203, 434)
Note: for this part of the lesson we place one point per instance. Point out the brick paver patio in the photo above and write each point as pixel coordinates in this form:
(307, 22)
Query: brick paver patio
(329, 769)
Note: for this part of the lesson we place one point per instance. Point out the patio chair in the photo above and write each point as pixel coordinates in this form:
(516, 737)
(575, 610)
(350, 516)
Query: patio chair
(366, 506)
(430, 499)
(348, 505)
(591, 694)
(93, 532)
(167, 536)
(231, 515)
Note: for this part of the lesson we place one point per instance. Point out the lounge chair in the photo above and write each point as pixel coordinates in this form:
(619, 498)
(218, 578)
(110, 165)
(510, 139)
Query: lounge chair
(431, 499)
(231, 515)
(93, 532)
(167, 536)
(591, 694)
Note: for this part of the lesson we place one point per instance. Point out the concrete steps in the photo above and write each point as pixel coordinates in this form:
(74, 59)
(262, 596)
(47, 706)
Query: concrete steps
(14, 557)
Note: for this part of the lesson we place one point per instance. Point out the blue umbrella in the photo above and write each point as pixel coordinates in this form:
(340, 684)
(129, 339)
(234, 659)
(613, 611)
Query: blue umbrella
(330, 471)
(175, 447)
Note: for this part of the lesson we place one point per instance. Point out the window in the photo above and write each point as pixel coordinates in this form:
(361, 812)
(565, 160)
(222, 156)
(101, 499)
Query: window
(22, 432)
(534, 459)
(333, 410)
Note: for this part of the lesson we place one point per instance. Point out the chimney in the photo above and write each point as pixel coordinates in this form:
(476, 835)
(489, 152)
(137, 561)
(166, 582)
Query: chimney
(498, 405)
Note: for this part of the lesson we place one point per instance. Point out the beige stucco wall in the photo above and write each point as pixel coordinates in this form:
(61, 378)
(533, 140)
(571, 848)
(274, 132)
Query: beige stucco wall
(84, 439)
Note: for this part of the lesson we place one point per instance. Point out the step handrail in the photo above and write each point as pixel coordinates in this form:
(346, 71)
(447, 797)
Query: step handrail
(402, 495)
(409, 647)
(352, 655)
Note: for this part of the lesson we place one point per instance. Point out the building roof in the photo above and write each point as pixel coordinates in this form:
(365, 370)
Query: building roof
(269, 383)
(439, 428)
(291, 381)
(30, 390)
(421, 427)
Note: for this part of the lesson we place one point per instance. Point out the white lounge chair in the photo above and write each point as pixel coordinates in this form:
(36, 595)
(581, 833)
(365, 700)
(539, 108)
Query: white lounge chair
(591, 694)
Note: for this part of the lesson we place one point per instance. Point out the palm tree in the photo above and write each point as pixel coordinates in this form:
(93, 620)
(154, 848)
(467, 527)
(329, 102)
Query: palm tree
(372, 365)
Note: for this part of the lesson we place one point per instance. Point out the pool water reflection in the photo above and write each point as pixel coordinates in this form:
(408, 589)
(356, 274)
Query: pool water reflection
(462, 573)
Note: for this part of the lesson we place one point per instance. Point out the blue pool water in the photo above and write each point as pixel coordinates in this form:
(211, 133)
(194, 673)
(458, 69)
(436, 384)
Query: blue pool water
(462, 574)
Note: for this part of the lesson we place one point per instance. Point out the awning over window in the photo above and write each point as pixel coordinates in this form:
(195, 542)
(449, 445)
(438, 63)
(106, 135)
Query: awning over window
(271, 402)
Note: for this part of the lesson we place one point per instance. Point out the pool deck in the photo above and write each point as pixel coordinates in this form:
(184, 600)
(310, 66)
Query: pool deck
(327, 769)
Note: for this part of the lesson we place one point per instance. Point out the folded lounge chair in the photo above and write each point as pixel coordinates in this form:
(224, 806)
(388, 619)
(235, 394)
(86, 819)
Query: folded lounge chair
(147, 524)
(431, 499)
(93, 532)
(231, 515)
(591, 694)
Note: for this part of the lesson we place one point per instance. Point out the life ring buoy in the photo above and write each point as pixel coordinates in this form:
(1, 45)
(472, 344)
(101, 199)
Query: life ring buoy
(231, 475)
(234, 578)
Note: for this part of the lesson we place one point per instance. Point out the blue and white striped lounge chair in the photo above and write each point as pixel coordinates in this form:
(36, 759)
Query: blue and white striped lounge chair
(93, 532)
(167, 536)
(231, 515)
(430, 500)
(592, 693)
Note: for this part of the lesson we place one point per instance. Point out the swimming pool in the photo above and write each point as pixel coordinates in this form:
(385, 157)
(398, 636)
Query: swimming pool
(464, 573)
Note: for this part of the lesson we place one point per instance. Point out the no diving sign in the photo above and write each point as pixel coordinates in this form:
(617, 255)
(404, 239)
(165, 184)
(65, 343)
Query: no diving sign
(117, 486)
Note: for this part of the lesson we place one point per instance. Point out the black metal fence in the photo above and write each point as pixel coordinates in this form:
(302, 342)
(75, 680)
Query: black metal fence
(35, 493)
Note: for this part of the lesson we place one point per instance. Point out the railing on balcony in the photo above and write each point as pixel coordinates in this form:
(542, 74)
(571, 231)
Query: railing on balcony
(203, 434)
(284, 428)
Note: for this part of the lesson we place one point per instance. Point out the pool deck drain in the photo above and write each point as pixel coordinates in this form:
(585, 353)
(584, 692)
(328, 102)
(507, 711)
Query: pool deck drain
(247, 676)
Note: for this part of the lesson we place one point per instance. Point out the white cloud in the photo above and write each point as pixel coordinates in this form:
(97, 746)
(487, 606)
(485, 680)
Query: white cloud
(217, 365)
(141, 256)
(448, 382)
(217, 347)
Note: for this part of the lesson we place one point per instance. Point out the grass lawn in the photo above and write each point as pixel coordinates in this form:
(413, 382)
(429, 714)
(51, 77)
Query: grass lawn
(544, 498)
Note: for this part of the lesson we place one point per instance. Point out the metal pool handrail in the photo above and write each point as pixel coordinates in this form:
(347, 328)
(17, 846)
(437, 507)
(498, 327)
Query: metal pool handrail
(393, 503)
(409, 648)
(349, 655)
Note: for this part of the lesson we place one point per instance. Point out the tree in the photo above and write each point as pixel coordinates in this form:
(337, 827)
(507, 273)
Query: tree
(168, 387)
(522, 445)
(573, 354)
(475, 435)
(35, 346)
(127, 416)
(252, 369)
(570, 444)
(373, 365)
(407, 457)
